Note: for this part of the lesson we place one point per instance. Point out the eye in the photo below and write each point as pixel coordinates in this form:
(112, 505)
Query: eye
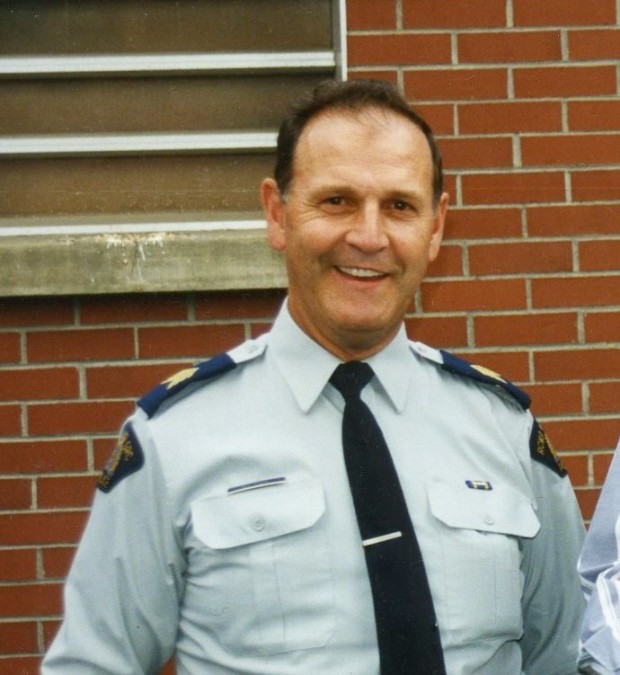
(400, 205)
(336, 200)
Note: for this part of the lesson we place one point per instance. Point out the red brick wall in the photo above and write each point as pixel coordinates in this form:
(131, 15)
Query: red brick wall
(523, 95)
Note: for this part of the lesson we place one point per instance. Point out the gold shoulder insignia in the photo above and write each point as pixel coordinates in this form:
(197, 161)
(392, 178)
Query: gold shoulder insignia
(126, 459)
(543, 451)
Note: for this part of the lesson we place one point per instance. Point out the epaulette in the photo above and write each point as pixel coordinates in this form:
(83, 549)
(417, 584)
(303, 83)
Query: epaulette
(458, 366)
(542, 451)
(201, 373)
(454, 364)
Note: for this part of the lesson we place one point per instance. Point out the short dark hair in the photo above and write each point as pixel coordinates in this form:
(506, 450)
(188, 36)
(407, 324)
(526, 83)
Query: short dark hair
(353, 95)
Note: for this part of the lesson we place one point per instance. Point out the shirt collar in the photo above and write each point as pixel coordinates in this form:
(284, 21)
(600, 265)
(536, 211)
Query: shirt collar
(307, 367)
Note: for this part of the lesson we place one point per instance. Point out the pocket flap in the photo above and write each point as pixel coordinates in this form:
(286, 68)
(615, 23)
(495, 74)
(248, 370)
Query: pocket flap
(246, 517)
(500, 509)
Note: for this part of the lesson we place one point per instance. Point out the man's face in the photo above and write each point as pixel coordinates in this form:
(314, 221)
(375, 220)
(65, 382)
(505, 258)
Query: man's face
(358, 227)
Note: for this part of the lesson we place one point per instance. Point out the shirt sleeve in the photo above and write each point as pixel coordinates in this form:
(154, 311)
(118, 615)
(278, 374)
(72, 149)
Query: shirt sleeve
(122, 594)
(552, 600)
(599, 569)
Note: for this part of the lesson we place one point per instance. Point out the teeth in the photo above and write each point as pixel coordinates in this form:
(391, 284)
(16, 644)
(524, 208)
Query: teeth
(359, 272)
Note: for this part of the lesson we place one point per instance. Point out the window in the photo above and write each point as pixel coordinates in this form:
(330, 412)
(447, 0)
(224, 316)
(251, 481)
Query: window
(134, 134)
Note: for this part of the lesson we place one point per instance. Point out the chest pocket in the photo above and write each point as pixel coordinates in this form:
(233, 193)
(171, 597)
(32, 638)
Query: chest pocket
(480, 531)
(260, 557)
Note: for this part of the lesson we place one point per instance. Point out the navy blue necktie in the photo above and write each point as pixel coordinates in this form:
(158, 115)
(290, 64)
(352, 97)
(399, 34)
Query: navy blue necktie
(407, 630)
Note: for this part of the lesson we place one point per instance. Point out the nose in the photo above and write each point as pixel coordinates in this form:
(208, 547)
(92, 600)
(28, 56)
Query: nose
(367, 232)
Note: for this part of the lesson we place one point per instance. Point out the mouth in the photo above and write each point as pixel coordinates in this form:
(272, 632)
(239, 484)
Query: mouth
(361, 272)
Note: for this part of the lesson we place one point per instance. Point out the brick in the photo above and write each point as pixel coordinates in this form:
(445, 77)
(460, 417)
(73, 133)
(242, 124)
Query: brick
(600, 465)
(577, 364)
(556, 399)
(183, 341)
(364, 15)
(602, 326)
(470, 14)
(18, 565)
(448, 264)
(556, 13)
(257, 329)
(18, 637)
(27, 529)
(485, 223)
(604, 397)
(389, 75)
(570, 149)
(133, 309)
(24, 665)
(573, 220)
(462, 84)
(440, 116)
(577, 467)
(595, 185)
(15, 493)
(10, 351)
(10, 420)
(587, 499)
(444, 332)
(458, 296)
(513, 366)
(169, 668)
(128, 381)
(80, 345)
(43, 456)
(564, 81)
(74, 418)
(587, 433)
(30, 599)
(57, 561)
(399, 49)
(599, 255)
(248, 305)
(594, 44)
(65, 491)
(525, 329)
(513, 188)
(520, 258)
(25, 312)
(509, 46)
(575, 291)
(477, 153)
(510, 117)
(594, 115)
(27, 384)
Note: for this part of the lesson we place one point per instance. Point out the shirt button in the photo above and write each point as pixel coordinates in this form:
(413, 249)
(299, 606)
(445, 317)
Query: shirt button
(258, 524)
(489, 520)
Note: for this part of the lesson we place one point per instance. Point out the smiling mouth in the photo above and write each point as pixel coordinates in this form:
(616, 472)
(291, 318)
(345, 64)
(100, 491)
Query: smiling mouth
(360, 272)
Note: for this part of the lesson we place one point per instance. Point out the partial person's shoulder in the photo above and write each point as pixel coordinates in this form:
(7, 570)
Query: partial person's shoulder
(185, 382)
(461, 368)
(541, 449)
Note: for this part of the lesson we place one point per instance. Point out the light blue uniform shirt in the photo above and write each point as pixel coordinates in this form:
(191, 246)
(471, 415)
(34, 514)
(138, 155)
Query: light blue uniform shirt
(236, 546)
(599, 567)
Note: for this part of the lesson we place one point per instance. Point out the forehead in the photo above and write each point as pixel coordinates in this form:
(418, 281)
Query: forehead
(370, 138)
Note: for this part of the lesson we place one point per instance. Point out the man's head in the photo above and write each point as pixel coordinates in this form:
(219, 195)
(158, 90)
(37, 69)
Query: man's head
(356, 213)
(351, 95)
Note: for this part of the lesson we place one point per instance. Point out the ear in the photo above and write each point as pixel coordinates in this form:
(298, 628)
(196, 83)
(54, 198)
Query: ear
(274, 208)
(439, 220)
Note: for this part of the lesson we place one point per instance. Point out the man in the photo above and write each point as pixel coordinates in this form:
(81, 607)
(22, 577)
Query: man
(599, 566)
(226, 530)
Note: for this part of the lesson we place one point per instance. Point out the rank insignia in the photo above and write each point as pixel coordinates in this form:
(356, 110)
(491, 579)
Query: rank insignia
(478, 485)
(126, 459)
(542, 451)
